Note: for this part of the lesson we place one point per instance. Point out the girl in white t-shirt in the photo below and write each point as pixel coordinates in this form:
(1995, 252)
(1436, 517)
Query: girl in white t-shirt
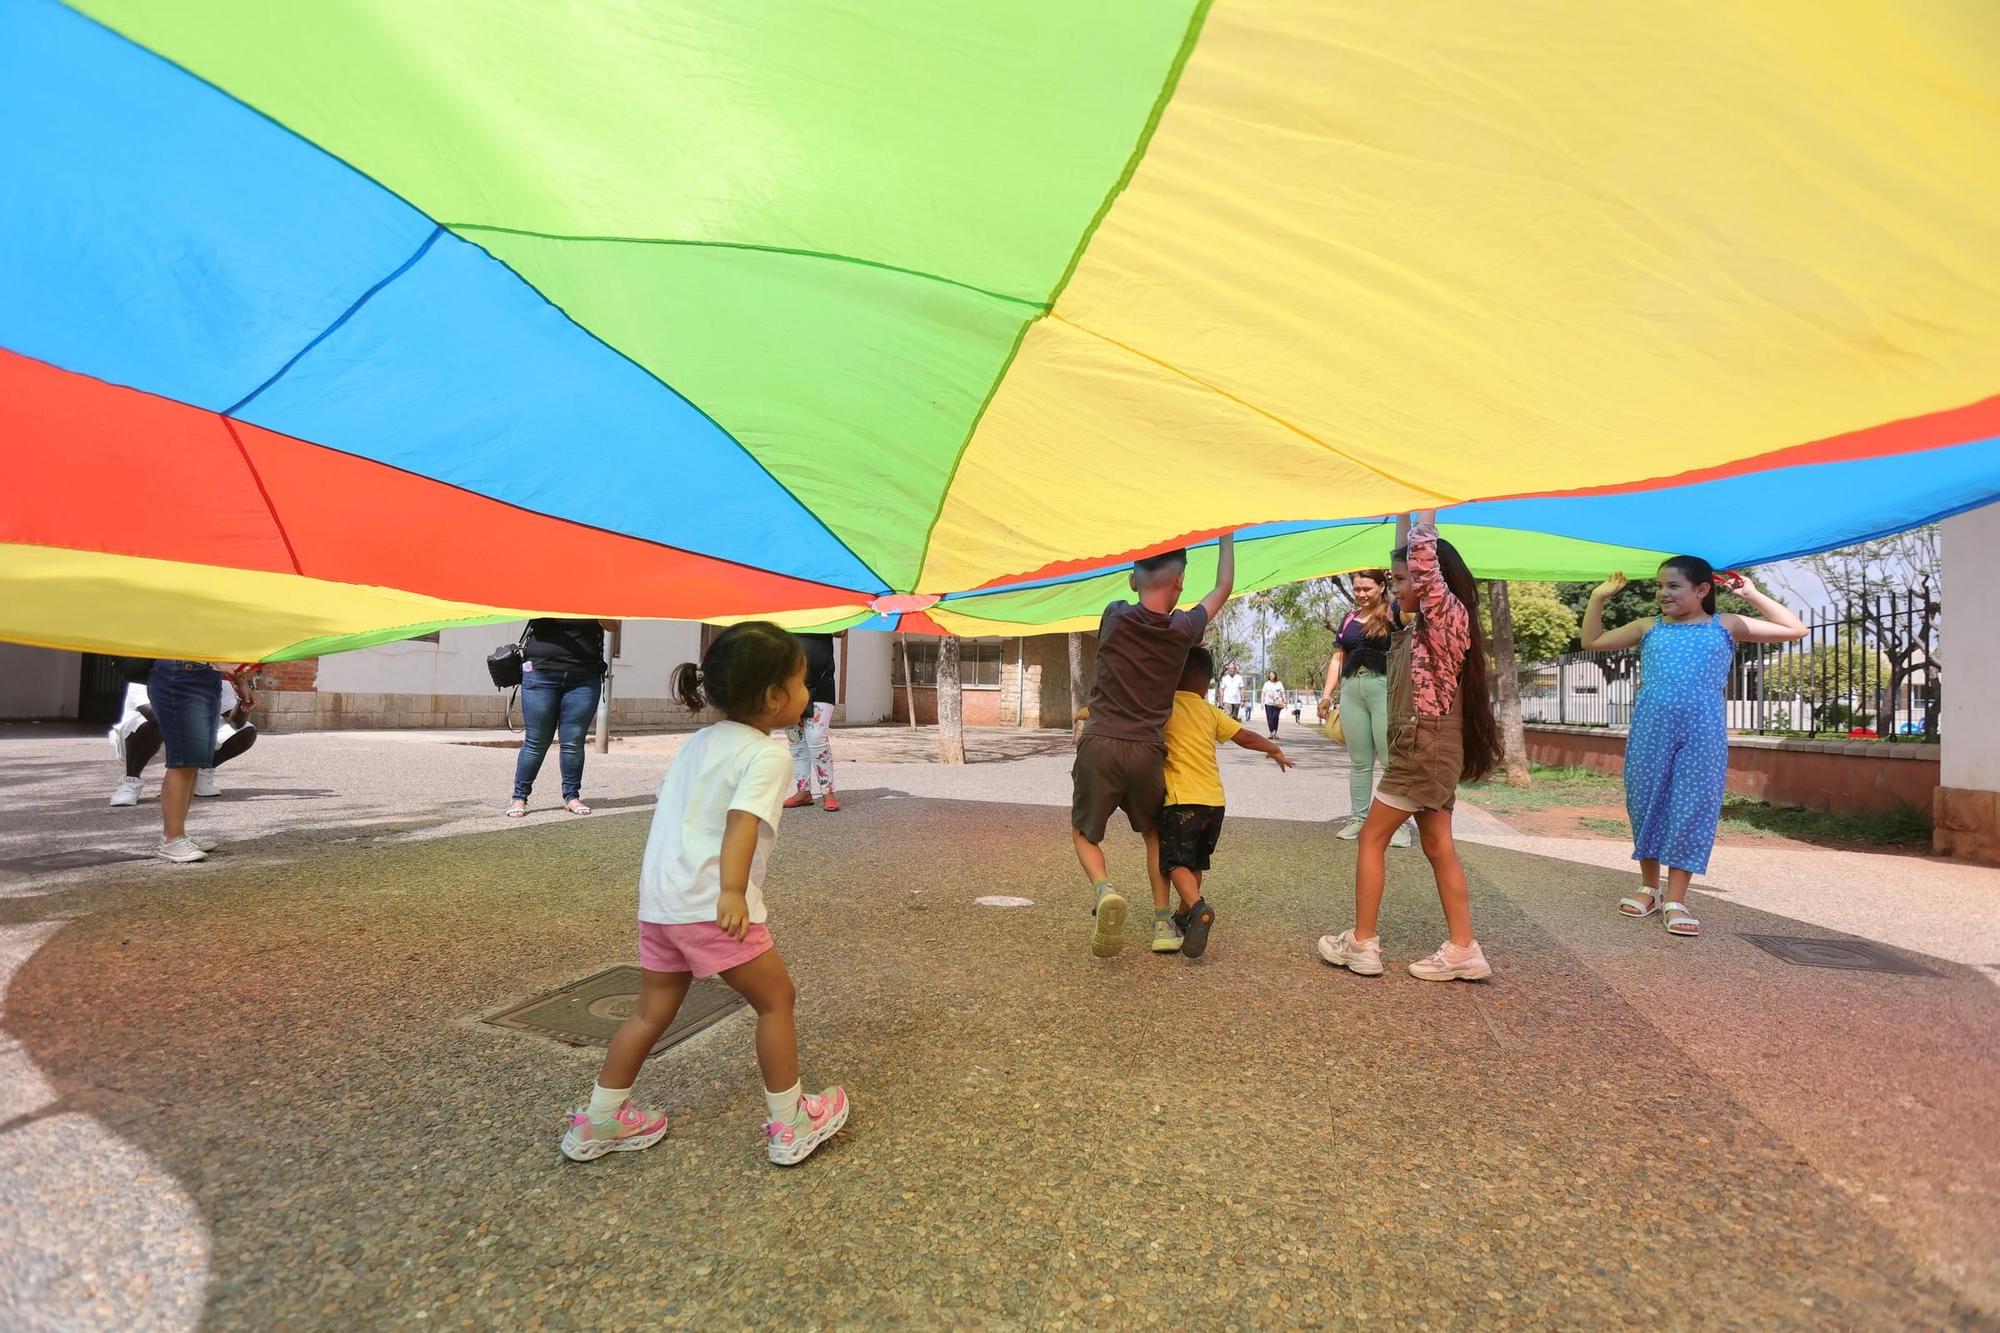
(701, 899)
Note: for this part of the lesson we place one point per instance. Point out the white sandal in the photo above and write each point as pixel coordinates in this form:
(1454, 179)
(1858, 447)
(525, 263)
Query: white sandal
(1641, 904)
(1680, 921)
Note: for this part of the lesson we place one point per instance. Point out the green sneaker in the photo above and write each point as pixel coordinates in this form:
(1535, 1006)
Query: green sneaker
(1166, 937)
(1107, 934)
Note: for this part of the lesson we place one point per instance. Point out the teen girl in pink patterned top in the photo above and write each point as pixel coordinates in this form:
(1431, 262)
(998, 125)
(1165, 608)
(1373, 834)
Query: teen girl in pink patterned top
(1441, 733)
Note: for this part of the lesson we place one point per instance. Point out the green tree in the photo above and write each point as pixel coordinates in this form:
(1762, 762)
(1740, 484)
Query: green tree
(1300, 653)
(1544, 626)
(1837, 678)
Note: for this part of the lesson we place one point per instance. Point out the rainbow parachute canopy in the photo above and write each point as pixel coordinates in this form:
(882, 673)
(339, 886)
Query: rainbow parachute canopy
(333, 323)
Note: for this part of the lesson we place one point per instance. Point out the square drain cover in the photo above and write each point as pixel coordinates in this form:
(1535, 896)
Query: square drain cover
(78, 859)
(588, 1012)
(1854, 955)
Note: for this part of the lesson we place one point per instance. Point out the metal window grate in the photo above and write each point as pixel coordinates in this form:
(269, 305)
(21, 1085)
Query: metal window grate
(587, 1012)
(1853, 955)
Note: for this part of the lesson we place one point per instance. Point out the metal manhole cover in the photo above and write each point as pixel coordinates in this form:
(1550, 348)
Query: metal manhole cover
(1853, 955)
(588, 1012)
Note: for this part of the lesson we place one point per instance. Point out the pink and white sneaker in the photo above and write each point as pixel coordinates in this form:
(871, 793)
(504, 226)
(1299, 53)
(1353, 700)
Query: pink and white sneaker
(820, 1118)
(628, 1131)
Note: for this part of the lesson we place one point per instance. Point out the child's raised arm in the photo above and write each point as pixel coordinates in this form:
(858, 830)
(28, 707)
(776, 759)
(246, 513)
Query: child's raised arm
(1594, 637)
(1779, 623)
(1250, 740)
(1225, 576)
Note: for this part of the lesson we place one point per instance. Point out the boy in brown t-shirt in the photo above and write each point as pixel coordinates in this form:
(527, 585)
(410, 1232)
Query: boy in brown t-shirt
(1120, 761)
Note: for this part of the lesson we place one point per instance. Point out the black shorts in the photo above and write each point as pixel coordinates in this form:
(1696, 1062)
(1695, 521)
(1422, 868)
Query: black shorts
(1187, 836)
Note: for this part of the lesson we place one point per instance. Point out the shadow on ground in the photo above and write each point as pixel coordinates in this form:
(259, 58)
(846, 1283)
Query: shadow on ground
(1039, 1137)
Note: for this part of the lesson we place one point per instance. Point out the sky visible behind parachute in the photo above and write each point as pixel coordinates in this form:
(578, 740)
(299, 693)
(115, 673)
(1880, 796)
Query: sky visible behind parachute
(324, 325)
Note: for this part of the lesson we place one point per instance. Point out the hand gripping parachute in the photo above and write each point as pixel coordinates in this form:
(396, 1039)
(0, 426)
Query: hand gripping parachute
(327, 324)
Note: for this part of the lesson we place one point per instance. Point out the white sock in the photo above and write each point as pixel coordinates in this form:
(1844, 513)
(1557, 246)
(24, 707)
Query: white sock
(783, 1106)
(604, 1102)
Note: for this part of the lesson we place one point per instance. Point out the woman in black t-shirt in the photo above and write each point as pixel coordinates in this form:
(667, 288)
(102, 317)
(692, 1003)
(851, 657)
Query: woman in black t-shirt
(1357, 680)
(812, 753)
(562, 676)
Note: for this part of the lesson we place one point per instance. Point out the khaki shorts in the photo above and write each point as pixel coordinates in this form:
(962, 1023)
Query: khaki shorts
(1112, 775)
(1426, 755)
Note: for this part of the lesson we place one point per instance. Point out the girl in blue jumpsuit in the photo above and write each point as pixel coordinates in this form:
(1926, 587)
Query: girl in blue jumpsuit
(1677, 756)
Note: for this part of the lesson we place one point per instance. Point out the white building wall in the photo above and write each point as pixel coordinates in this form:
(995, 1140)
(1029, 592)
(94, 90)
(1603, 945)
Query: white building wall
(38, 682)
(868, 698)
(1969, 645)
(456, 664)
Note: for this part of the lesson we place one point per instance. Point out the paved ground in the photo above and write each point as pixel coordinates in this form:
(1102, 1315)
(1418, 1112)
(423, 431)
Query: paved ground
(256, 1092)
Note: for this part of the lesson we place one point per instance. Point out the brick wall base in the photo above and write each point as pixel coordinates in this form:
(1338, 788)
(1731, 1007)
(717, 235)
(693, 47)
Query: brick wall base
(1966, 824)
(1843, 777)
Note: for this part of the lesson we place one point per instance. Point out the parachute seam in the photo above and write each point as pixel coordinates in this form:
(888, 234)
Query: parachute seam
(267, 117)
(269, 508)
(753, 247)
(1249, 406)
(1196, 18)
(345, 315)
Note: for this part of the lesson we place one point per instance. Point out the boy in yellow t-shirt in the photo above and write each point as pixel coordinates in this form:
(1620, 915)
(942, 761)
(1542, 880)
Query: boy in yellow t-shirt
(1191, 820)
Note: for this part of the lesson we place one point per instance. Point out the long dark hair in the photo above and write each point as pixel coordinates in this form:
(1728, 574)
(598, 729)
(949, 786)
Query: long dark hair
(1697, 571)
(743, 663)
(1480, 729)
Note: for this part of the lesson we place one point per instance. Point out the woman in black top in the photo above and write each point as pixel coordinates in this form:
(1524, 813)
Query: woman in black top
(562, 675)
(812, 755)
(1357, 679)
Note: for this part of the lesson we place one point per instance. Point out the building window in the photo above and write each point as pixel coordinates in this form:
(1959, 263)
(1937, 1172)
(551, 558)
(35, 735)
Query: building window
(614, 640)
(978, 662)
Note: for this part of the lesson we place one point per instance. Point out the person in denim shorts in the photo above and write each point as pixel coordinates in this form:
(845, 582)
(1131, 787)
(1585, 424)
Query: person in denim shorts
(185, 697)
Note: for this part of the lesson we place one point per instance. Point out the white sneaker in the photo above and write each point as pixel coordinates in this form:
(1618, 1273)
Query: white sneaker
(1361, 957)
(1453, 964)
(1353, 829)
(117, 738)
(204, 784)
(127, 793)
(180, 850)
(1401, 837)
(205, 844)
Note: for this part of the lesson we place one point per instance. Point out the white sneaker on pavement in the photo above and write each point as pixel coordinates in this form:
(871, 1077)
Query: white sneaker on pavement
(204, 784)
(1353, 829)
(1450, 963)
(127, 793)
(180, 850)
(1361, 957)
(1401, 837)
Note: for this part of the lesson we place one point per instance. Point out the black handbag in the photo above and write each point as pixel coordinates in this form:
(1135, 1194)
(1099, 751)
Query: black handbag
(504, 663)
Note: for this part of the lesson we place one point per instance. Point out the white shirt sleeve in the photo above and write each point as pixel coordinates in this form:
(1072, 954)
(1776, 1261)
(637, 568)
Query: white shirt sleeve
(764, 784)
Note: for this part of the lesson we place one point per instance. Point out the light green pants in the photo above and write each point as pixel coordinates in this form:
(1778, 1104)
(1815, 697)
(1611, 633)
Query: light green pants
(1364, 716)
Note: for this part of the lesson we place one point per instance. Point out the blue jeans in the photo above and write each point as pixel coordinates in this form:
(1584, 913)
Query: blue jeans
(555, 703)
(185, 697)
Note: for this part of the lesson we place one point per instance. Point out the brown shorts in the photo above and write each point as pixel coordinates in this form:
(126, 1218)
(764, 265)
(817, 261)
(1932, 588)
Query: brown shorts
(1426, 755)
(1112, 775)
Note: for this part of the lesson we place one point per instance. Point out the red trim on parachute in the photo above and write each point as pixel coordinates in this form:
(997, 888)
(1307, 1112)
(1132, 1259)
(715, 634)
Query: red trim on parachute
(176, 487)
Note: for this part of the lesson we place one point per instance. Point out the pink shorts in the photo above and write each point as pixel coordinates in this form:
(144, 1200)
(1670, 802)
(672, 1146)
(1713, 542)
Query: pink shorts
(700, 947)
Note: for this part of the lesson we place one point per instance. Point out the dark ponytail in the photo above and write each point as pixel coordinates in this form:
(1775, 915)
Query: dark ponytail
(1480, 729)
(743, 663)
(1697, 571)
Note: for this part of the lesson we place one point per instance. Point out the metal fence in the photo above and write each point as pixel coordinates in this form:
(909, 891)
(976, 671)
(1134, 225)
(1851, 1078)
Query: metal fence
(1869, 666)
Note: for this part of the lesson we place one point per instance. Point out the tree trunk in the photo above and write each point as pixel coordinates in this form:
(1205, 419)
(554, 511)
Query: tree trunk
(909, 681)
(1076, 694)
(1513, 735)
(950, 704)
